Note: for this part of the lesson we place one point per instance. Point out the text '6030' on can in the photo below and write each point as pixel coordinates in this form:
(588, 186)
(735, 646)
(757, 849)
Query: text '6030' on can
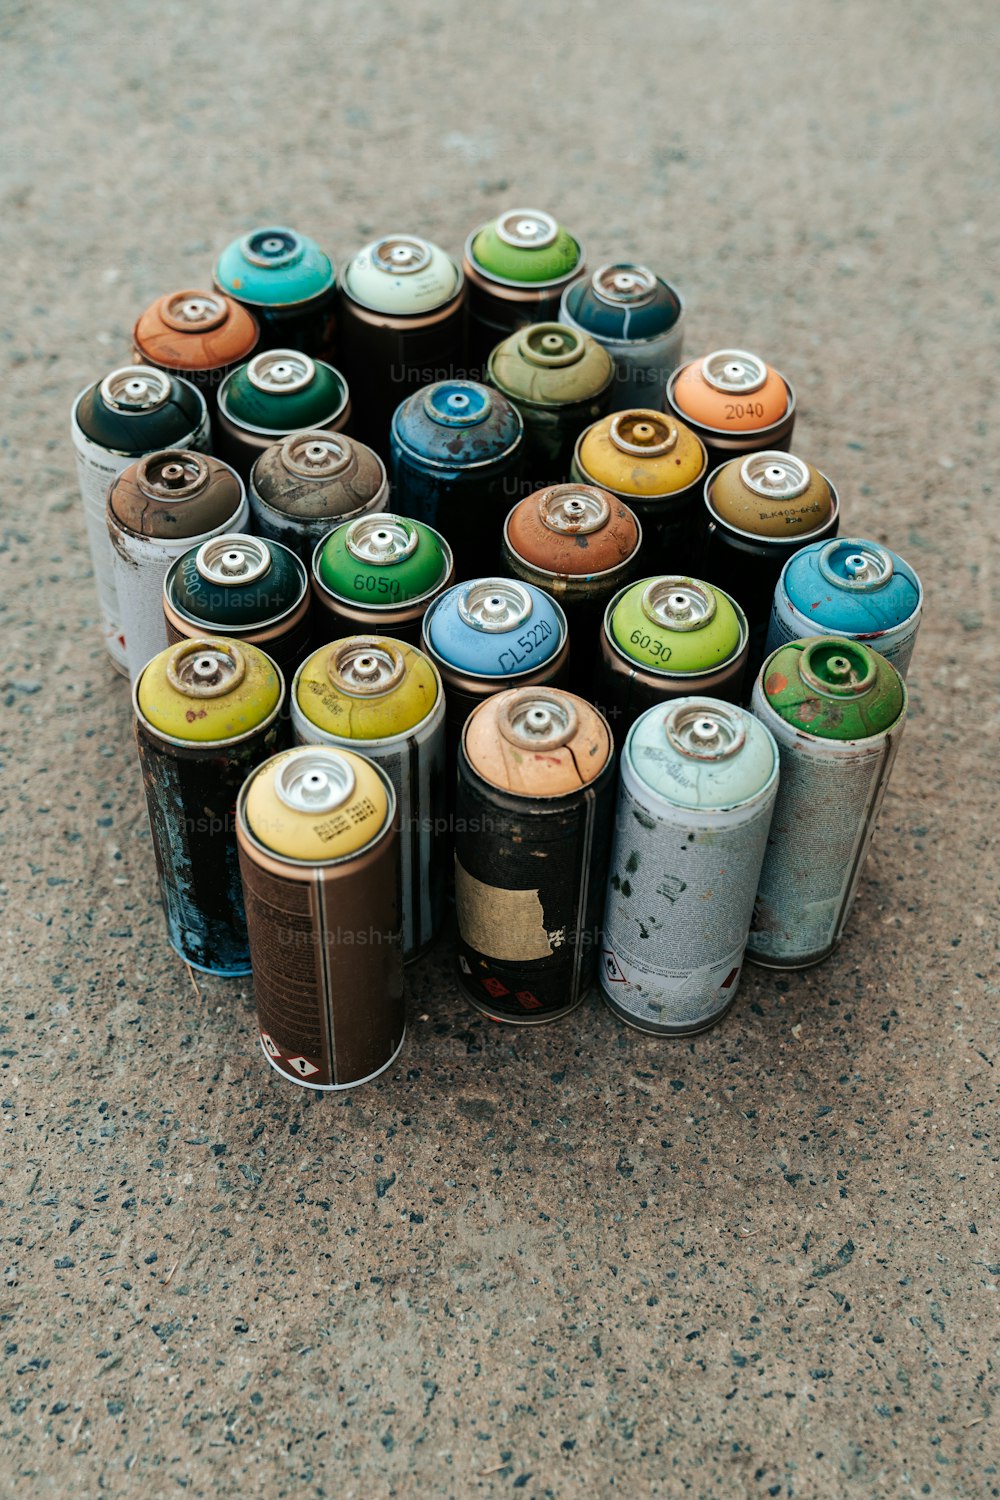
(532, 830)
(836, 709)
(697, 789)
(206, 711)
(200, 335)
(287, 282)
(639, 319)
(320, 864)
(276, 393)
(131, 412)
(380, 574)
(515, 267)
(735, 403)
(384, 699)
(301, 487)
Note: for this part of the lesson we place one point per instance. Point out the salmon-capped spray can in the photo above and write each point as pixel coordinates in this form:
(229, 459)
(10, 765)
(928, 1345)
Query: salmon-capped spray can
(200, 335)
(735, 403)
(836, 709)
(131, 412)
(516, 267)
(380, 574)
(319, 857)
(384, 699)
(276, 393)
(638, 318)
(301, 487)
(287, 282)
(532, 833)
(205, 712)
(696, 795)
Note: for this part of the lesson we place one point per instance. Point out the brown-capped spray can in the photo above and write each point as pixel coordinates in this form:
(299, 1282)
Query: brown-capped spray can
(310, 482)
(200, 335)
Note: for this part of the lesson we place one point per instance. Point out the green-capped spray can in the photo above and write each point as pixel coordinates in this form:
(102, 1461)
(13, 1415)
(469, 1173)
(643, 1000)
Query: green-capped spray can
(516, 267)
(312, 481)
(560, 381)
(378, 575)
(287, 282)
(274, 394)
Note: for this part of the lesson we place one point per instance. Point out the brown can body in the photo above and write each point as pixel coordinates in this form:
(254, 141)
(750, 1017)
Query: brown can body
(387, 358)
(200, 335)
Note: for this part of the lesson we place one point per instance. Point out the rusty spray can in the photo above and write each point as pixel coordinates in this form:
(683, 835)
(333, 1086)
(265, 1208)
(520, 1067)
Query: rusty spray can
(536, 790)
(639, 319)
(735, 403)
(301, 487)
(200, 335)
(516, 267)
(836, 709)
(287, 282)
(276, 393)
(696, 794)
(205, 712)
(379, 575)
(319, 858)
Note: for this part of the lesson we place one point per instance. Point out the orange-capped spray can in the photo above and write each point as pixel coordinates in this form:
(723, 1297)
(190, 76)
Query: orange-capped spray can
(200, 335)
(735, 402)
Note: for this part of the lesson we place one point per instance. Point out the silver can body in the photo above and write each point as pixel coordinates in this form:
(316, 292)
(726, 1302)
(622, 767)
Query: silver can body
(642, 366)
(789, 624)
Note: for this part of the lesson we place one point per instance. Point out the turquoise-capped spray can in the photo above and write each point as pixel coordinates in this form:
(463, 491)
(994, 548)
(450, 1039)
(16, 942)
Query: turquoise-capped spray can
(289, 284)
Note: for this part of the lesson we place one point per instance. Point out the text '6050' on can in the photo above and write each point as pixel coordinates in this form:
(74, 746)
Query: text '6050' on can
(287, 282)
(320, 864)
(301, 487)
(836, 709)
(849, 587)
(532, 832)
(380, 574)
(515, 267)
(273, 395)
(156, 510)
(384, 699)
(696, 795)
(131, 412)
(241, 586)
(639, 319)
(206, 711)
(200, 335)
(734, 402)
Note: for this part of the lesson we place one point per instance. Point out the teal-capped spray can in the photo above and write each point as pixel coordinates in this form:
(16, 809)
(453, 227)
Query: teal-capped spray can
(289, 284)
(276, 393)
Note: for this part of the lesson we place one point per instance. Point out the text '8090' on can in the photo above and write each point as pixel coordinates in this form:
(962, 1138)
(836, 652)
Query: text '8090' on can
(697, 788)
(639, 319)
(206, 711)
(320, 862)
(532, 833)
(380, 574)
(836, 710)
(301, 487)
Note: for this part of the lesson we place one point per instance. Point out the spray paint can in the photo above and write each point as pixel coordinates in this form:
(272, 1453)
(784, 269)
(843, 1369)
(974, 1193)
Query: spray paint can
(532, 835)
(516, 267)
(668, 637)
(657, 466)
(849, 587)
(639, 319)
(457, 458)
(378, 575)
(560, 381)
(287, 282)
(384, 699)
(696, 795)
(314, 480)
(131, 412)
(836, 709)
(274, 394)
(735, 403)
(205, 712)
(200, 335)
(243, 587)
(402, 326)
(319, 857)
(157, 509)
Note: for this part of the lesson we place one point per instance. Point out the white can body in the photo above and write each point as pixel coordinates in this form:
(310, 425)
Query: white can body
(789, 624)
(642, 366)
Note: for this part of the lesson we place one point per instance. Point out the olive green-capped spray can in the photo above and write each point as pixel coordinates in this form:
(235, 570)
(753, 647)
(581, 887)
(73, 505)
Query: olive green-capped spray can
(516, 267)
(560, 381)
(378, 575)
(311, 481)
(836, 709)
(276, 393)
(696, 795)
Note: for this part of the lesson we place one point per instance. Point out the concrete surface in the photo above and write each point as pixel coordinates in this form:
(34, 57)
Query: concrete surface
(573, 1261)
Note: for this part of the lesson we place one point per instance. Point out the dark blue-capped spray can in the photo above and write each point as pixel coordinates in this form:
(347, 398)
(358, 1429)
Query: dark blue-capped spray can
(639, 319)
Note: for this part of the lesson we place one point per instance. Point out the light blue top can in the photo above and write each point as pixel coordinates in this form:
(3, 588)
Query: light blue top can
(274, 267)
(494, 627)
(701, 754)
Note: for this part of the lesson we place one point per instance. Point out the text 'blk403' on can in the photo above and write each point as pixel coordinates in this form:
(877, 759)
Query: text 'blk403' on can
(379, 575)
(276, 393)
(244, 587)
(384, 699)
(735, 403)
(206, 711)
(200, 335)
(157, 509)
(836, 709)
(310, 482)
(516, 267)
(532, 832)
(131, 412)
(696, 794)
(287, 282)
(639, 319)
(319, 857)
(848, 587)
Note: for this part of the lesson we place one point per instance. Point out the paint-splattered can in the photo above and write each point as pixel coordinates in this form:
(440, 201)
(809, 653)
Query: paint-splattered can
(836, 709)
(560, 381)
(639, 319)
(287, 282)
(200, 335)
(735, 402)
(402, 326)
(314, 480)
(657, 466)
(157, 509)
(668, 637)
(131, 412)
(243, 587)
(206, 711)
(378, 575)
(848, 587)
(532, 836)
(273, 395)
(696, 795)
(384, 699)
(516, 267)
(319, 855)
(457, 459)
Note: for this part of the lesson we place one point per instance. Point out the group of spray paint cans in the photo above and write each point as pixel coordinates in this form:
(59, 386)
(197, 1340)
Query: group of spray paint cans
(525, 588)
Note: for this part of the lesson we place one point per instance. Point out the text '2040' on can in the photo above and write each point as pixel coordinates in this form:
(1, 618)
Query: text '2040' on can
(696, 795)
(836, 709)
(639, 319)
(200, 335)
(301, 487)
(384, 699)
(206, 711)
(287, 282)
(276, 393)
(532, 831)
(131, 412)
(516, 267)
(320, 863)
(379, 574)
(735, 403)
